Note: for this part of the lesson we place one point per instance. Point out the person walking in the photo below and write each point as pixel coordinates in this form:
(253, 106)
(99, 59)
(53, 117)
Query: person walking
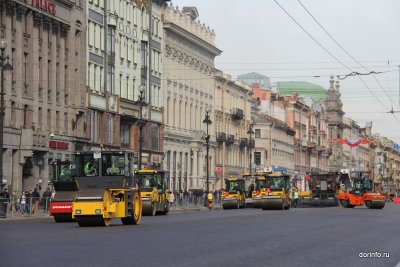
(171, 199)
(46, 200)
(22, 202)
(29, 202)
(35, 200)
(4, 201)
(14, 203)
(210, 197)
(295, 198)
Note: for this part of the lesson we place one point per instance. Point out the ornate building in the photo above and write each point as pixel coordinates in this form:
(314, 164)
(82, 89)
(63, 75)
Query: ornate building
(124, 54)
(231, 119)
(335, 114)
(274, 144)
(188, 92)
(45, 93)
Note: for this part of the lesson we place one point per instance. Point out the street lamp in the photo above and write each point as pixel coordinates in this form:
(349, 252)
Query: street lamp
(141, 122)
(4, 65)
(207, 121)
(250, 132)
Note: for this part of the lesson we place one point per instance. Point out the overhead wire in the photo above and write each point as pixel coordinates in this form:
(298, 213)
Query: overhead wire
(327, 51)
(338, 44)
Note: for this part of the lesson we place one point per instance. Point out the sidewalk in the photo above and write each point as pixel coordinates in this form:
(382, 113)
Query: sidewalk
(40, 214)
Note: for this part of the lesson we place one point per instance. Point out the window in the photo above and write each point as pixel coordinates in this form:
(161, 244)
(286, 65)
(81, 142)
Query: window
(125, 129)
(257, 133)
(110, 130)
(154, 136)
(257, 158)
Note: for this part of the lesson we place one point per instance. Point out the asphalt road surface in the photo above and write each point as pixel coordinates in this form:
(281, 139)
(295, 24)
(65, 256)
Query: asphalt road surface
(297, 237)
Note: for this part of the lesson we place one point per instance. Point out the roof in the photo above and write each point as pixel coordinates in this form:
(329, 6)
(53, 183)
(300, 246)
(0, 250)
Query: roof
(251, 75)
(302, 88)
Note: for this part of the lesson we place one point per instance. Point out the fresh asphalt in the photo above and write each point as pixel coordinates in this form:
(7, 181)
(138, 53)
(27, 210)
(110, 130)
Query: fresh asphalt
(250, 237)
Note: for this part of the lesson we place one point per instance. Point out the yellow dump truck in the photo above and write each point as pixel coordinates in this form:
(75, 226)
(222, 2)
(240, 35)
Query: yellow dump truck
(277, 192)
(154, 193)
(107, 189)
(234, 195)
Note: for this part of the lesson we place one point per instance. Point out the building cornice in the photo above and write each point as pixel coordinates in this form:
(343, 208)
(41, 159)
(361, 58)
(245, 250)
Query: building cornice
(192, 38)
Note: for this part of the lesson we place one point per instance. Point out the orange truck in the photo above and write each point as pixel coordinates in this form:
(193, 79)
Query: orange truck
(357, 190)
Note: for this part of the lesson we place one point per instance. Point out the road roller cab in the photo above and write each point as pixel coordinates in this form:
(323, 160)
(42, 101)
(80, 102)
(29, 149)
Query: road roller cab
(259, 188)
(277, 192)
(107, 189)
(65, 190)
(323, 188)
(154, 192)
(357, 190)
(234, 195)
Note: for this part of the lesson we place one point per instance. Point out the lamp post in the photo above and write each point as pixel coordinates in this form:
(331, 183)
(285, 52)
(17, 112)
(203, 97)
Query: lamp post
(207, 121)
(141, 123)
(250, 132)
(4, 65)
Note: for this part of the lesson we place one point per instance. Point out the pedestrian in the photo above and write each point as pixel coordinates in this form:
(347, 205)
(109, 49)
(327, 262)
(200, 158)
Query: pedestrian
(295, 197)
(171, 199)
(22, 201)
(46, 200)
(29, 202)
(14, 203)
(35, 200)
(5, 201)
(180, 198)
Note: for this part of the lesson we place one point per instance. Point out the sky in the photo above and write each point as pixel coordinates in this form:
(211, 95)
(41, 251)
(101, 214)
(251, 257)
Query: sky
(259, 36)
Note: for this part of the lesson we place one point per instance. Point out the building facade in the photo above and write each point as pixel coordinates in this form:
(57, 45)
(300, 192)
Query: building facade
(188, 92)
(125, 56)
(44, 94)
(274, 144)
(232, 118)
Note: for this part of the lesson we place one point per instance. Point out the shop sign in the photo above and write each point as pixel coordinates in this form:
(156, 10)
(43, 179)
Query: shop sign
(58, 145)
(45, 5)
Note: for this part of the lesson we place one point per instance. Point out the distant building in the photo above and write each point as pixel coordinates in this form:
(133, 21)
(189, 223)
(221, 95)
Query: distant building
(254, 77)
(303, 89)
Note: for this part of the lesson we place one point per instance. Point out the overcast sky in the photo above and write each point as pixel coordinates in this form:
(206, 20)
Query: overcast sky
(257, 35)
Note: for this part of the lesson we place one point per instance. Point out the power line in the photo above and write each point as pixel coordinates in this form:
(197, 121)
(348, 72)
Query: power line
(338, 44)
(326, 50)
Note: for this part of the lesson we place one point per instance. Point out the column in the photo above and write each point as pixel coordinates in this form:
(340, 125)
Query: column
(44, 68)
(33, 61)
(194, 170)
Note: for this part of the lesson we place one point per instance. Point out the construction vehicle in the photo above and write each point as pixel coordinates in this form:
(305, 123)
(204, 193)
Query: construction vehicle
(259, 187)
(357, 190)
(323, 188)
(153, 191)
(277, 193)
(107, 188)
(305, 197)
(234, 195)
(65, 189)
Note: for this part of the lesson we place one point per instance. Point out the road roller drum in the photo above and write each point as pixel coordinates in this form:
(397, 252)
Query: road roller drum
(272, 203)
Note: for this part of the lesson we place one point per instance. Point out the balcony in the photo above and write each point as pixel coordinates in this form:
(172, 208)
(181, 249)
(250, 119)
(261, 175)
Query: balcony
(221, 137)
(230, 140)
(237, 114)
(243, 142)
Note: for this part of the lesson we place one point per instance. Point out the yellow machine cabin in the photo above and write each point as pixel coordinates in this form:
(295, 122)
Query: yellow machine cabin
(107, 189)
(154, 193)
(234, 196)
(277, 193)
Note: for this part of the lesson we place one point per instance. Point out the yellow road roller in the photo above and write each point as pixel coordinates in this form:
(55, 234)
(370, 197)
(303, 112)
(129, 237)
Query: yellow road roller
(153, 191)
(277, 192)
(106, 187)
(234, 196)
